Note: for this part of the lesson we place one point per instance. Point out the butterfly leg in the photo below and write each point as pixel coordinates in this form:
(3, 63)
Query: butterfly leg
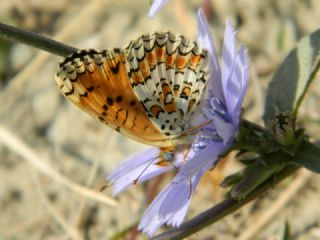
(194, 128)
(185, 155)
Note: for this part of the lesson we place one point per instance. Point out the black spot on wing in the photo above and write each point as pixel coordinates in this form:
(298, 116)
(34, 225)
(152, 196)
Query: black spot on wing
(115, 69)
(109, 101)
(119, 99)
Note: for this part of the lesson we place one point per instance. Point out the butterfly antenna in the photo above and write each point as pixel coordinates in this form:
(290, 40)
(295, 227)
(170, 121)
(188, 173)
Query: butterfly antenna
(152, 160)
(194, 128)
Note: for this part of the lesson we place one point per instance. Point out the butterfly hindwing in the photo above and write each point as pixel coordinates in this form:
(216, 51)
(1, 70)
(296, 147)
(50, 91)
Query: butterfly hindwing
(173, 65)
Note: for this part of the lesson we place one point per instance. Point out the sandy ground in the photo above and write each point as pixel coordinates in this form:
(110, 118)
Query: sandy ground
(65, 140)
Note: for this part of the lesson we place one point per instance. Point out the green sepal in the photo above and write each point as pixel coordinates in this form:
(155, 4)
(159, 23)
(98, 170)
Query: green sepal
(308, 156)
(257, 173)
(232, 179)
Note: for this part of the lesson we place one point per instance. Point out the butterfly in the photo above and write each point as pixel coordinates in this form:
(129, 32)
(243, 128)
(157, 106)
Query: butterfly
(149, 91)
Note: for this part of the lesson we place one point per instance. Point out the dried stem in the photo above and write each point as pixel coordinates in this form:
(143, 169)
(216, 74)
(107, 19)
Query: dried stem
(60, 219)
(70, 29)
(16, 145)
(35, 40)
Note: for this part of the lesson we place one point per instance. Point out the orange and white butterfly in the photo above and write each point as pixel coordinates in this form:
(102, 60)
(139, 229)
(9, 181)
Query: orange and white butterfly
(148, 91)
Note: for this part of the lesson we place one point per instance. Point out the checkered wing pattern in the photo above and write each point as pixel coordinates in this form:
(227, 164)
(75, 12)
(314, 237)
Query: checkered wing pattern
(147, 91)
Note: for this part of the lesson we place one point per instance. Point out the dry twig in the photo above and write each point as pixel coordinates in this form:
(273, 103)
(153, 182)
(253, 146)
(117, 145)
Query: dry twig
(19, 147)
(72, 232)
(18, 82)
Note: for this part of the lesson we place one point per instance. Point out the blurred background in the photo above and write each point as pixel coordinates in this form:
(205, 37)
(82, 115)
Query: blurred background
(34, 205)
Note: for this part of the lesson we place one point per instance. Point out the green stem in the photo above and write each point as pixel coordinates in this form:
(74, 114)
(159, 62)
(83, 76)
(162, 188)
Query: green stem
(35, 40)
(305, 90)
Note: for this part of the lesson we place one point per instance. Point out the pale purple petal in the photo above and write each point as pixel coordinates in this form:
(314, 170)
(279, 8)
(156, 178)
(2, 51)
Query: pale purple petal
(156, 6)
(228, 58)
(205, 41)
(140, 167)
(152, 219)
(170, 206)
(222, 123)
(201, 161)
(243, 69)
(225, 130)
(135, 161)
(236, 86)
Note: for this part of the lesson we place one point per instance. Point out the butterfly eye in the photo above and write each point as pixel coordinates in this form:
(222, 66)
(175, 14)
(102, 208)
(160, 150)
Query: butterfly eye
(168, 156)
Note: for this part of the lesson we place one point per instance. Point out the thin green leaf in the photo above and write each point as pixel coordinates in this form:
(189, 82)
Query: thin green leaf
(289, 85)
(286, 232)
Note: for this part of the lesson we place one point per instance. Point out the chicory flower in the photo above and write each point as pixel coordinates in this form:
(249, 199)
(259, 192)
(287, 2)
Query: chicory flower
(226, 92)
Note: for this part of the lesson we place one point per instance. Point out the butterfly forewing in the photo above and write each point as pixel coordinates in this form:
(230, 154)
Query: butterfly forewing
(98, 83)
(147, 91)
